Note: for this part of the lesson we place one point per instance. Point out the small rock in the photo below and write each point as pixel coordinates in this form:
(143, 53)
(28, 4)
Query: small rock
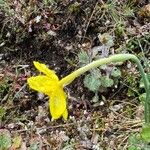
(51, 32)
(116, 107)
(40, 96)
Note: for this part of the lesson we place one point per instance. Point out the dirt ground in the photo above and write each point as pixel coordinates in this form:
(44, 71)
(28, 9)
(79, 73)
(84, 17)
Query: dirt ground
(54, 33)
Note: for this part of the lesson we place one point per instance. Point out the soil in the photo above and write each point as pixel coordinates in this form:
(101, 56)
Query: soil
(73, 26)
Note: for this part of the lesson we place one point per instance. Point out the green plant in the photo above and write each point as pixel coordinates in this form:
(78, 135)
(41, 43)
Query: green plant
(114, 59)
(101, 78)
(2, 112)
(105, 76)
(46, 82)
(5, 140)
(138, 42)
(119, 29)
(116, 14)
(116, 11)
(4, 86)
(136, 143)
(34, 146)
(53, 87)
(142, 97)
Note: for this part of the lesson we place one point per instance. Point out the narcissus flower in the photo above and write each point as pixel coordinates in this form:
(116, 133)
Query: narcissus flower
(51, 86)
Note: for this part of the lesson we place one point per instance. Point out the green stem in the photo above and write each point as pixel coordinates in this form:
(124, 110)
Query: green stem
(113, 59)
(147, 108)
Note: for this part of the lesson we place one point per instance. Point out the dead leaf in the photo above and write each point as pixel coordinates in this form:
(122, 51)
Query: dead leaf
(145, 11)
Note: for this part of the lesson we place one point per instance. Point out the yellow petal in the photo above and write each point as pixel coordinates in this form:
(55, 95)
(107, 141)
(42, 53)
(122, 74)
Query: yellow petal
(65, 114)
(42, 84)
(42, 68)
(57, 103)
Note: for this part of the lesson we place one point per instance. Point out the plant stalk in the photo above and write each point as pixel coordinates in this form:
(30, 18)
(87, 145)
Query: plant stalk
(113, 59)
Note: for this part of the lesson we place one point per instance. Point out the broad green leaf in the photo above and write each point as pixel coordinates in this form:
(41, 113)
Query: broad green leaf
(96, 73)
(92, 83)
(106, 82)
(116, 72)
(137, 143)
(5, 140)
(83, 58)
(34, 146)
(146, 133)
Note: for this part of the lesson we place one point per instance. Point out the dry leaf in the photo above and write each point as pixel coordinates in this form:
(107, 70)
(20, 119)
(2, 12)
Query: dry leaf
(145, 11)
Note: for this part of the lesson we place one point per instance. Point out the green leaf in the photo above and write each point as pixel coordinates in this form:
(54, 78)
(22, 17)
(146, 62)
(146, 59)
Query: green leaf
(95, 98)
(83, 58)
(142, 83)
(142, 97)
(96, 73)
(131, 92)
(34, 146)
(133, 148)
(2, 112)
(106, 82)
(92, 83)
(103, 67)
(116, 72)
(5, 140)
(2, 2)
(146, 133)
(136, 142)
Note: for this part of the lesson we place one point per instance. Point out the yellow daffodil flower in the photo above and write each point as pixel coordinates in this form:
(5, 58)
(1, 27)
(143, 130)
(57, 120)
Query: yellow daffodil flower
(53, 87)
(50, 85)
